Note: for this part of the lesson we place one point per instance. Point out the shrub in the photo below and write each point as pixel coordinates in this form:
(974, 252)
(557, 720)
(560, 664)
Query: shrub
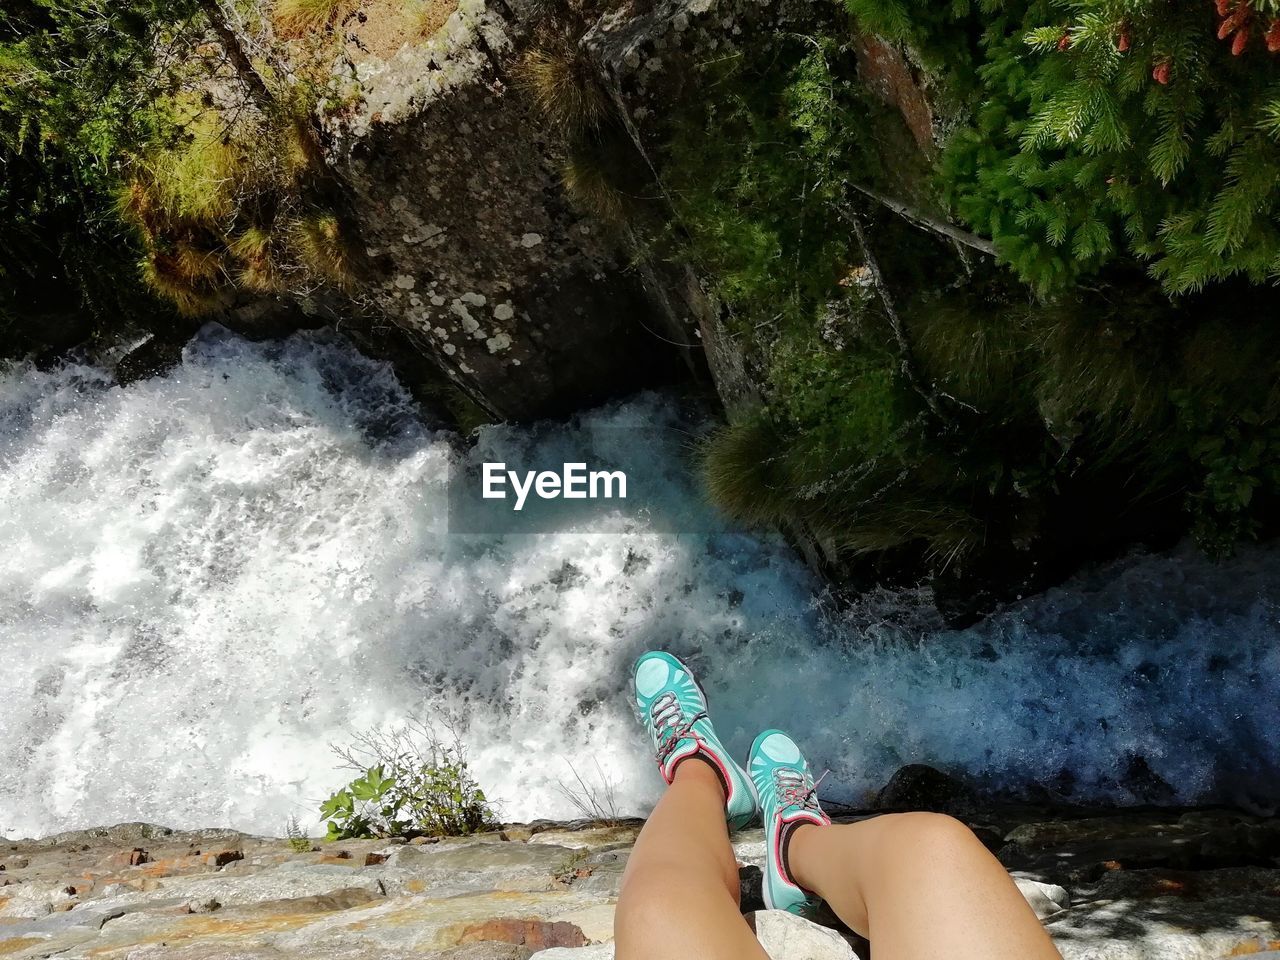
(225, 204)
(411, 784)
(75, 90)
(1108, 130)
(743, 472)
(1066, 435)
(256, 251)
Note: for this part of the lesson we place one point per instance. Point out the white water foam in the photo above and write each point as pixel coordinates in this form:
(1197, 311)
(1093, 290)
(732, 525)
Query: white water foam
(210, 576)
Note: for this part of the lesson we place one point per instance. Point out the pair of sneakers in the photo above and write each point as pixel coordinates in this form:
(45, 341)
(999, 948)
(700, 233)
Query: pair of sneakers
(780, 787)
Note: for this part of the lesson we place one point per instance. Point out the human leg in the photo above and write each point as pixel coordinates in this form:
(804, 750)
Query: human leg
(918, 885)
(679, 896)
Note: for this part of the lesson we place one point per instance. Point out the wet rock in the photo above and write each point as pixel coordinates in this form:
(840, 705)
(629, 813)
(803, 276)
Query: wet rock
(470, 243)
(222, 857)
(1144, 783)
(154, 357)
(920, 787)
(1082, 850)
(750, 888)
(119, 835)
(591, 838)
(600, 874)
(887, 73)
(289, 882)
(477, 866)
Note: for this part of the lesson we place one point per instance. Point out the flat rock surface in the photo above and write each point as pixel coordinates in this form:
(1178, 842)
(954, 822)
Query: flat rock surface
(1199, 885)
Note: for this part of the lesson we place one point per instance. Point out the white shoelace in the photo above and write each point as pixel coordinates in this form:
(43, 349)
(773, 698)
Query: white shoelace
(797, 789)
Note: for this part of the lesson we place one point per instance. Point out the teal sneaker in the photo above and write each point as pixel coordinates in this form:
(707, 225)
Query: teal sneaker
(674, 710)
(788, 797)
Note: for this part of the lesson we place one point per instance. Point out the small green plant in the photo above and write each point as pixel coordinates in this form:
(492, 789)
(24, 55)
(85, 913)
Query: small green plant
(594, 798)
(567, 870)
(295, 836)
(411, 784)
(1236, 452)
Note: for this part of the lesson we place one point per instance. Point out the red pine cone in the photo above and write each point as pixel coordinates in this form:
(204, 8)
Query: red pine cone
(1273, 37)
(1223, 6)
(1240, 18)
(1240, 42)
(1123, 43)
(1161, 73)
(1064, 41)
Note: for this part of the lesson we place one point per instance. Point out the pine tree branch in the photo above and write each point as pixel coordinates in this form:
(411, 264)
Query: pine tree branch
(925, 221)
(234, 49)
(259, 92)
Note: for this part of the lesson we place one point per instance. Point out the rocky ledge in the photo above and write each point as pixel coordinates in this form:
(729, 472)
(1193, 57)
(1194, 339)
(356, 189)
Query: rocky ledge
(1138, 885)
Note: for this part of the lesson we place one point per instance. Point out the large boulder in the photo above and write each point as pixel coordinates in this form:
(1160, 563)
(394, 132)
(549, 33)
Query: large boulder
(471, 245)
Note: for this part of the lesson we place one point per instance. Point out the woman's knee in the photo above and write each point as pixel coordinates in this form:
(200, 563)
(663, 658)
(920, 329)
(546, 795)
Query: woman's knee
(937, 831)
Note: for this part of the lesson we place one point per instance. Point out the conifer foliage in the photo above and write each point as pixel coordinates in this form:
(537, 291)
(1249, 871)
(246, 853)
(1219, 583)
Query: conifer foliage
(1105, 129)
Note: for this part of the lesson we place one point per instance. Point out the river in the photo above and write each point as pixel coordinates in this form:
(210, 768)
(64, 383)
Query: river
(209, 577)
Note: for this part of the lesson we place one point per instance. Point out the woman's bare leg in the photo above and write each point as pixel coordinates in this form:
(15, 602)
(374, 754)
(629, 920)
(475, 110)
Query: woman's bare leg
(918, 886)
(679, 896)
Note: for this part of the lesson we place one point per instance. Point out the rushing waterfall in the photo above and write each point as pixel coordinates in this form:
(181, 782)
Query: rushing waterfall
(210, 576)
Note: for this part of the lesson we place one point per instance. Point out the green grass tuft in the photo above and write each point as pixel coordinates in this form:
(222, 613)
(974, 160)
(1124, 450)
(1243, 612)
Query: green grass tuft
(745, 474)
(563, 84)
(323, 249)
(187, 279)
(297, 18)
(425, 18)
(256, 251)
